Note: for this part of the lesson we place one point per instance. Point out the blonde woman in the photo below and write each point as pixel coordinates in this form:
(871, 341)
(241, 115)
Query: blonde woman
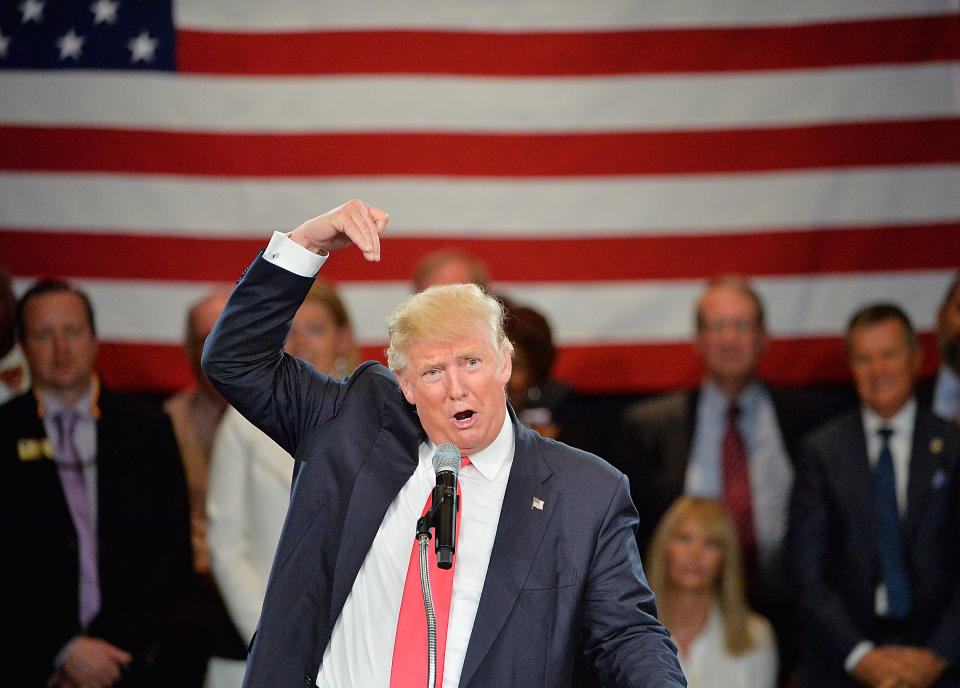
(250, 479)
(694, 568)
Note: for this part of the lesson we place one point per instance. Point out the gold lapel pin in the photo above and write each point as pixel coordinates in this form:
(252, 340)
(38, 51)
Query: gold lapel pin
(936, 445)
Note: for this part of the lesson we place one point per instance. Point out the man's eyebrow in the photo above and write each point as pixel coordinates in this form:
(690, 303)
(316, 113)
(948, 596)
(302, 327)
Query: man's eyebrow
(429, 365)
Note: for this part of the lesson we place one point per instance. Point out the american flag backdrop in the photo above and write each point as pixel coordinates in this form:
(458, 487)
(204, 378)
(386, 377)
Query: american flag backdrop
(603, 158)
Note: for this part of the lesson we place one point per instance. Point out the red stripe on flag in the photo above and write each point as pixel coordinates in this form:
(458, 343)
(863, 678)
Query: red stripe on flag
(821, 251)
(726, 49)
(628, 368)
(128, 367)
(910, 142)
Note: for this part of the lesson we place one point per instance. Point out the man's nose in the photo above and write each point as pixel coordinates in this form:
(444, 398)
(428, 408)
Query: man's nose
(60, 342)
(455, 384)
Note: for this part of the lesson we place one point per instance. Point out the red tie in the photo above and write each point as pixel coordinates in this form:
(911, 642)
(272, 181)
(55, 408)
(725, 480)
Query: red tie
(736, 484)
(409, 669)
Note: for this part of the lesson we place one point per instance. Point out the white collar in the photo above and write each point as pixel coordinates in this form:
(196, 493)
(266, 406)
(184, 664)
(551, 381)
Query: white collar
(901, 423)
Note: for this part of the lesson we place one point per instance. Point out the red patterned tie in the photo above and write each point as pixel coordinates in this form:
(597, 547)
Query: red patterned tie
(736, 484)
(409, 669)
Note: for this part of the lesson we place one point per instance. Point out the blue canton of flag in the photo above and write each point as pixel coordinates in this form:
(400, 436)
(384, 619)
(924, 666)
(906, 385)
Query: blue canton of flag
(86, 34)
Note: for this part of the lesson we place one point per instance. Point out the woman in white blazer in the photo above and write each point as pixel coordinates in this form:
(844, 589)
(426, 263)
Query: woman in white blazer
(250, 478)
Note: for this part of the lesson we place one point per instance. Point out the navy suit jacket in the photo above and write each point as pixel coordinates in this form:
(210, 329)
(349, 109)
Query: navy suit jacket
(144, 555)
(832, 545)
(559, 578)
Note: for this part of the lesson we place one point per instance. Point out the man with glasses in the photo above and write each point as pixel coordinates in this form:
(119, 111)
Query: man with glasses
(731, 439)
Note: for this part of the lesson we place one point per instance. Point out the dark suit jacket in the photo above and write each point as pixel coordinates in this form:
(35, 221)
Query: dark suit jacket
(142, 527)
(657, 434)
(568, 573)
(832, 544)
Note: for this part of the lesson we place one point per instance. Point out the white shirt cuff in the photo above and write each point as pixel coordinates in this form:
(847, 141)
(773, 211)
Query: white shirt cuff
(856, 654)
(286, 253)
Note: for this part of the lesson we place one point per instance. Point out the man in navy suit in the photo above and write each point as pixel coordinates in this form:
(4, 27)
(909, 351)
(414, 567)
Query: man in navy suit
(872, 545)
(546, 562)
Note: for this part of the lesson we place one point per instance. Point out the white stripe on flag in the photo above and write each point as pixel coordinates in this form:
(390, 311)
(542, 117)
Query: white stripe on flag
(296, 15)
(441, 104)
(574, 207)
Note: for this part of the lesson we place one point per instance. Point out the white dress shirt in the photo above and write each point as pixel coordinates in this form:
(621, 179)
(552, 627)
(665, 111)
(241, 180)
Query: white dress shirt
(360, 651)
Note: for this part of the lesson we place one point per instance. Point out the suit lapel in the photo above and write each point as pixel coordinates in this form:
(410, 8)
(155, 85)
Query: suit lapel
(379, 480)
(519, 532)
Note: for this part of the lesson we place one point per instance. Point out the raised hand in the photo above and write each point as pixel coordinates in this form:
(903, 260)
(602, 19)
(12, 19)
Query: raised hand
(354, 222)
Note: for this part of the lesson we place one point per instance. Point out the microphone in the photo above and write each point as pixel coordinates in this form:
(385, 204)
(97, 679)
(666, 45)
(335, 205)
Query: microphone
(443, 509)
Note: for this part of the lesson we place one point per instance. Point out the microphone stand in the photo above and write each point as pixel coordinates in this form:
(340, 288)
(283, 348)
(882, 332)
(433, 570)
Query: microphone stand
(423, 537)
(444, 560)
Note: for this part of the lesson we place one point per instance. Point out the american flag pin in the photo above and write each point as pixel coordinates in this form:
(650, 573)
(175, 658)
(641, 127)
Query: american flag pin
(537, 504)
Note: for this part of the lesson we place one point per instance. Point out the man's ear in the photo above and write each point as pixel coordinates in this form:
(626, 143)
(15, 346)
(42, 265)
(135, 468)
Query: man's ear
(506, 369)
(405, 387)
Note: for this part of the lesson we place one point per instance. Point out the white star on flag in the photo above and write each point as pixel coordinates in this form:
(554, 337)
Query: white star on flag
(104, 11)
(31, 10)
(143, 47)
(4, 45)
(70, 45)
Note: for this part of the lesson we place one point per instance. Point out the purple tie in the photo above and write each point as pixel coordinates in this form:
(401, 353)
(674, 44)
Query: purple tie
(74, 483)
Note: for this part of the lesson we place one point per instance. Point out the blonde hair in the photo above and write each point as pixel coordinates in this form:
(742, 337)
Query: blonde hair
(729, 591)
(442, 313)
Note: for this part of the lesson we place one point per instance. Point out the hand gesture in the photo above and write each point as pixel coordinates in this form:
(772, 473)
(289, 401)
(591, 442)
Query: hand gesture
(354, 222)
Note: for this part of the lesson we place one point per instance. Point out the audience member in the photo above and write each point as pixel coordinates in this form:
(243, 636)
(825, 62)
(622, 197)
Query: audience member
(14, 373)
(203, 626)
(695, 570)
(943, 391)
(732, 439)
(94, 520)
(875, 525)
(195, 413)
(449, 266)
(541, 402)
(250, 479)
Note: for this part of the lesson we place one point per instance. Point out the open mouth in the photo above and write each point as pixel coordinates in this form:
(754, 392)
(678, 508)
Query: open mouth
(463, 415)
